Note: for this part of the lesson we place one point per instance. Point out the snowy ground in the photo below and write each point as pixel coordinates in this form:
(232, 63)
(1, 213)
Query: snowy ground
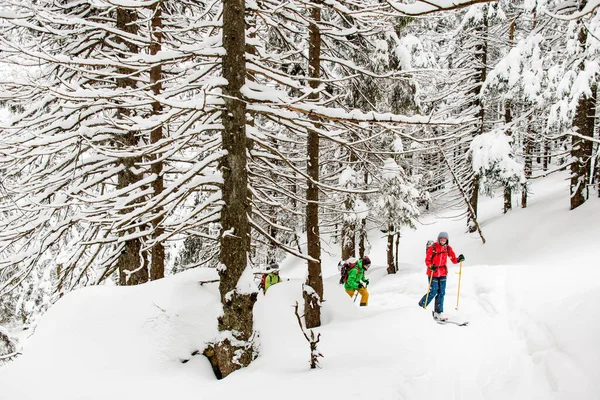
(530, 294)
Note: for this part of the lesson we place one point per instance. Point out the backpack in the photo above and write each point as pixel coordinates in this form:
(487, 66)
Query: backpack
(344, 272)
(263, 281)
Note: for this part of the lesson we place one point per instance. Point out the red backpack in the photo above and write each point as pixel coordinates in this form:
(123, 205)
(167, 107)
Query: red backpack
(263, 281)
(344, 270)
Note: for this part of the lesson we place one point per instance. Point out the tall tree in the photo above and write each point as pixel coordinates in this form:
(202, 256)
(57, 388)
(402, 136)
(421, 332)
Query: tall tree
(157, 266)
(234, 349)
(131, 264)
(313, 288)
(583, 122)
(92, 135)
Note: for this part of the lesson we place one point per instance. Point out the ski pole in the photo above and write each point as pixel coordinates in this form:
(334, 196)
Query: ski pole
(459, 278)
(356, 296)
(428, 290)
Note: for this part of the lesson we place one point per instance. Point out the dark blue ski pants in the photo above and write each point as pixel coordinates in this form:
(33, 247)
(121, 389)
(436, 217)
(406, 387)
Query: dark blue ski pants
(437, 290)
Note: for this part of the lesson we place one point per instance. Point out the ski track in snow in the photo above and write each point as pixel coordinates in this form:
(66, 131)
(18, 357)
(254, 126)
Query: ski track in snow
(530, 341)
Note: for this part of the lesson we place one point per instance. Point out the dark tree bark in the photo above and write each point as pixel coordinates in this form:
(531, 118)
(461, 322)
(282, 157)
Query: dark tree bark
(507, 120)
(348, 233)
(527, 159)
(362, 238)
(397, 252)
(547, 160)
(236, 322)
(391, 268)
(581, 149)
(312, 298)
(597, 135)
(507, 190)
(272, 249)
(157, 267)
(131, 265)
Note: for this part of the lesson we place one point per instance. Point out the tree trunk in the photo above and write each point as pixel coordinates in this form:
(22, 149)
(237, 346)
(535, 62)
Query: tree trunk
(474, 200)
(348, 232)
(507, 120)
(157, 267)
(527, 159)
(235, 348)
(313, 288)
(471, 213)
(507, 189)
(547, 157)
(349, 227)
(131, 265)
(481, 50)
(272, 246)
(582, 150)
(597, 136)
(362, 247)
(397, 252)
(391, 269)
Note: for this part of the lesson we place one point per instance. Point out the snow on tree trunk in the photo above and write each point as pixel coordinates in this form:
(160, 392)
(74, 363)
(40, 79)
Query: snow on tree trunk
(348, 230)
(507, 120)
(581, 149)
(391, 268)
(313, 288)
(132, 266)
(234, 348)
(157, 267)
(527, 159)
(481, 54)
(362, 238)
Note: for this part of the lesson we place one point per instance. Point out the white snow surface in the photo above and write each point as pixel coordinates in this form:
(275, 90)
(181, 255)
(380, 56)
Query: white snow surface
(530, 294)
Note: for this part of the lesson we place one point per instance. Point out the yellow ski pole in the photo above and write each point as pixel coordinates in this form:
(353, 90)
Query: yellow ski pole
(428, 290)
(459, 278)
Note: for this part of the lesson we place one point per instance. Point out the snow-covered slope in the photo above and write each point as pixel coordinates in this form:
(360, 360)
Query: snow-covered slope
(530, 294)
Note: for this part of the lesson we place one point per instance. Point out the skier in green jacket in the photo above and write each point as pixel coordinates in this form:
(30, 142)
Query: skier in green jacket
(272, 277)
(356, 280)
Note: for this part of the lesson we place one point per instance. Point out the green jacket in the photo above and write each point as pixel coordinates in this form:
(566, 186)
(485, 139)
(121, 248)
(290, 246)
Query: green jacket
(271, 280)
(355, 275)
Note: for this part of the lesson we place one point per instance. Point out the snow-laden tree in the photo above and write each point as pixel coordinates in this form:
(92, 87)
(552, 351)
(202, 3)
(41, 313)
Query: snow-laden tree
(396, 207)
(159, 121)
(549, 77)
(105, 143)
(492, 158)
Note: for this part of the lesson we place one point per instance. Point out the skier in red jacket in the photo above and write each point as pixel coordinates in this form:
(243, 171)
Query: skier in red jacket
(436, 259)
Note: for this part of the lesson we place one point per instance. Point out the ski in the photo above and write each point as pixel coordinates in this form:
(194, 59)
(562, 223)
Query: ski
(448, 321)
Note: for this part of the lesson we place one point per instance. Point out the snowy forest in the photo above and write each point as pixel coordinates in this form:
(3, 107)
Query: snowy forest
(141, 139)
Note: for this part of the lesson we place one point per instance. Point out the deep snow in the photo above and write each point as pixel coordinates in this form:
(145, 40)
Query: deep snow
(530, 294)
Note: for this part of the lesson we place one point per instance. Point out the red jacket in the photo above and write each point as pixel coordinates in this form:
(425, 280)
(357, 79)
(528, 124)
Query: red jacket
(439, 259)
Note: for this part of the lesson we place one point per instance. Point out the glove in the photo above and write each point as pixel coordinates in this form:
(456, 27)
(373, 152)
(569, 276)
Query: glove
(366, 281)
(433, 268)
(461, 258)
(360, 285)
